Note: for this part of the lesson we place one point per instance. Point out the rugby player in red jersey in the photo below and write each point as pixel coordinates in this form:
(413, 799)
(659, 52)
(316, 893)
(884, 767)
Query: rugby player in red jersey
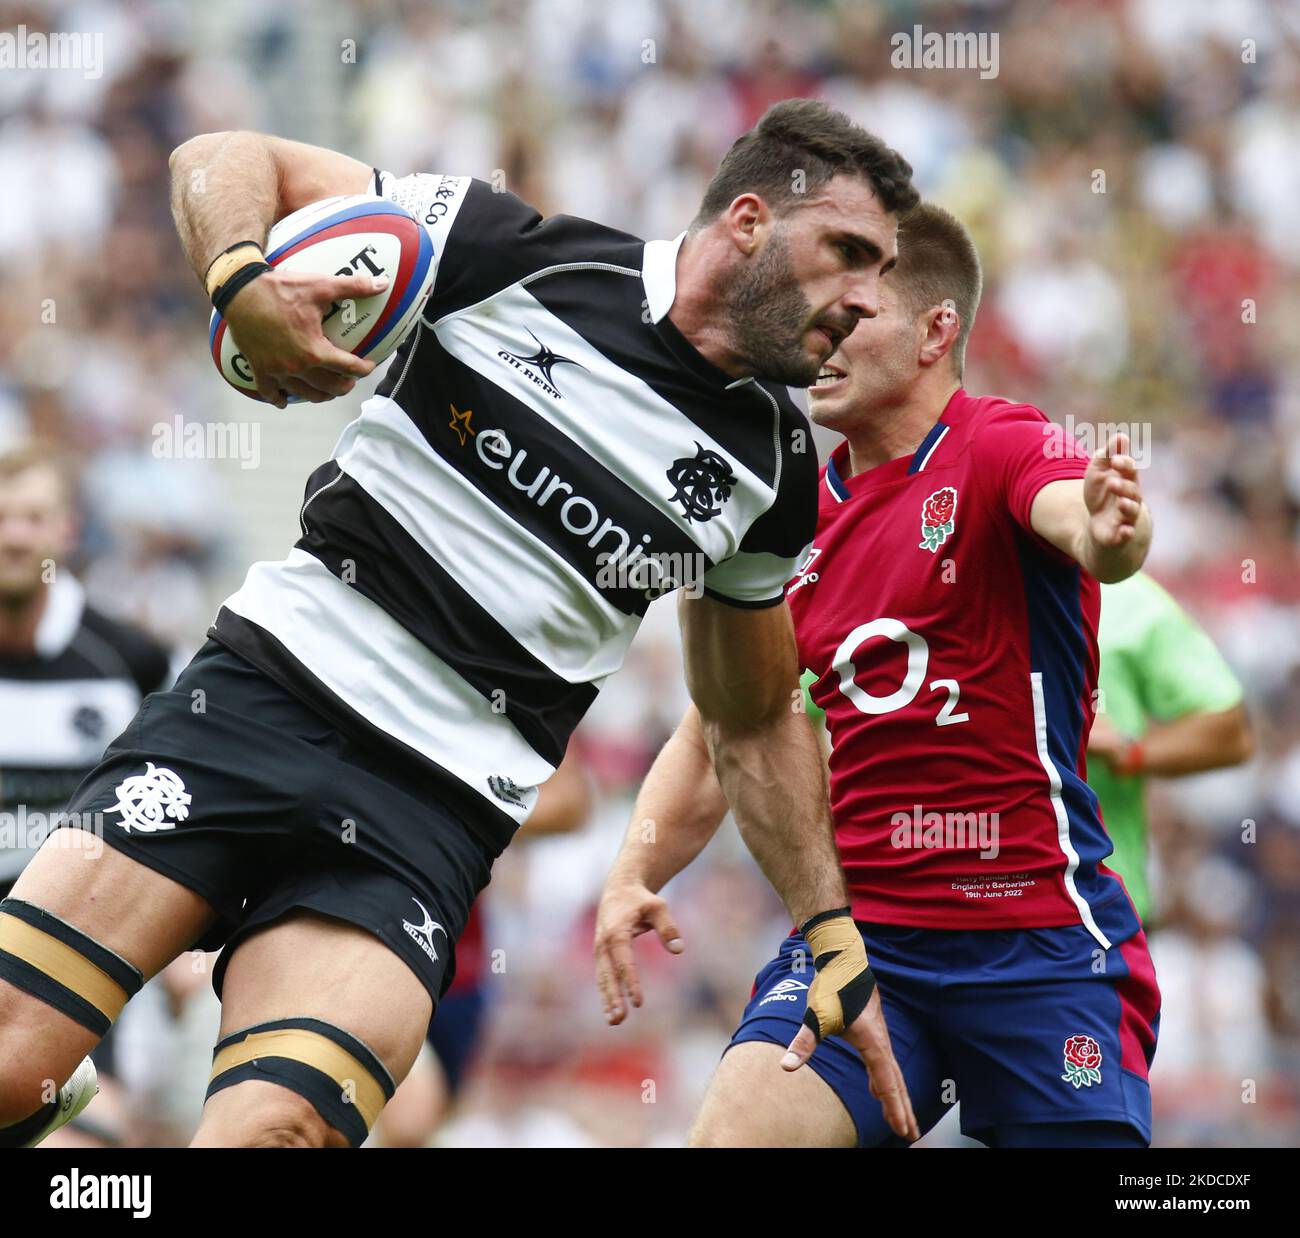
(947, 618)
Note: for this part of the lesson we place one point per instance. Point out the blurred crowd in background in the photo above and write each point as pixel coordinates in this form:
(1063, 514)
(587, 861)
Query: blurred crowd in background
(1131, 175)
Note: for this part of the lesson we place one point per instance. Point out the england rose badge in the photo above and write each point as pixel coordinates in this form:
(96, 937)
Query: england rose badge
(937, 518)
(1082, 1061)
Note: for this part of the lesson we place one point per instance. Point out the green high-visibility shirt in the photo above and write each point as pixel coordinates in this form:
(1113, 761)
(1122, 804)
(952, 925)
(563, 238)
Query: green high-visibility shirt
(1156, 665)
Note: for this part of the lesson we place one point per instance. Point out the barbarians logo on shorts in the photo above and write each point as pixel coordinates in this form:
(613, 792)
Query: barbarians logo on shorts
(936, 519)
(701, 484)
(506, 789)
(147, 800)
(422, 934)
(1082, 1061)
(786, 991)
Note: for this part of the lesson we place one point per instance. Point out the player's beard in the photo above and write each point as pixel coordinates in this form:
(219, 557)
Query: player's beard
(770, 317)
(20, 580)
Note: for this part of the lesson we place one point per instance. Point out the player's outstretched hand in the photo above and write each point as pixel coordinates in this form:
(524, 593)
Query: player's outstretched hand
(1112, 493)
(276, 320)
(843, 1001)
(626, 911)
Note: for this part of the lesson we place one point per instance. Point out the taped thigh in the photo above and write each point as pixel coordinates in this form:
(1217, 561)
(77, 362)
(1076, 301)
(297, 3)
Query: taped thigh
(63, 967)
(337, 1074)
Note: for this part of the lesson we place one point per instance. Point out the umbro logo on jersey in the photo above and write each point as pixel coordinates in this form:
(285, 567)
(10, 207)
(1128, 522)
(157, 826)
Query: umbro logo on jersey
(701, 484)
(537, 366)
(786, 991)
(805, 576)
(147, 800)
(506, 790)
(422, 934)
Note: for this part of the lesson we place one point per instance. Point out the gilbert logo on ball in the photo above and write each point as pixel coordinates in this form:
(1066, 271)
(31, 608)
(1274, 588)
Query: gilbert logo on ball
(350, 235)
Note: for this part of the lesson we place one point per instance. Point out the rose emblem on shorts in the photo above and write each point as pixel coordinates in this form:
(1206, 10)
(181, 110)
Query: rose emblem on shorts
(937, 518)
(1082, 1061)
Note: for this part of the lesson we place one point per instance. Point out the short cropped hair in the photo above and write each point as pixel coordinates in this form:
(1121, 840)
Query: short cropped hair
(939, 264)
(809, 137)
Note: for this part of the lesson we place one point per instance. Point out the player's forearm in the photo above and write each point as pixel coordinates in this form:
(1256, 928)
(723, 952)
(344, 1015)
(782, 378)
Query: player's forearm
(678, 809)
(1196, 743)
(225, 189)
(1114, 563)
(775, 782)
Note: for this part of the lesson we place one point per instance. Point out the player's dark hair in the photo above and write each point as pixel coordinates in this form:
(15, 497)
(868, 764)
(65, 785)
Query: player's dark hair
(797, 147)
(938, 264)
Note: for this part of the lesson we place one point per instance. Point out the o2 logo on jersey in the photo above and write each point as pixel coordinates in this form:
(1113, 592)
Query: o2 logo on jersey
(918, 663)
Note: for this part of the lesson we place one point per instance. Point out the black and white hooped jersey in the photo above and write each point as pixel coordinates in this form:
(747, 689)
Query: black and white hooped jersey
(60, 707)
(545, 455)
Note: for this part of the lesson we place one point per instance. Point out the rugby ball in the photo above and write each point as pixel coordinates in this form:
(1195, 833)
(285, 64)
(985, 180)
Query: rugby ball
(354, 234)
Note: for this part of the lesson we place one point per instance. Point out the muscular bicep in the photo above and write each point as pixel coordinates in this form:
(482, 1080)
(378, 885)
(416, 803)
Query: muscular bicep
(309, 173)
(741, 665)
(1059, 515)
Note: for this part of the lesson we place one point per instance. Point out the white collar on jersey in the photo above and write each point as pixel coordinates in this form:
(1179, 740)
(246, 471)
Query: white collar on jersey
(64, 606)
(659, 275)
(659, 278)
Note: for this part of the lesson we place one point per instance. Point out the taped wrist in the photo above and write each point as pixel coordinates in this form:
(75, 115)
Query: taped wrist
(844, 982)
(231, 269)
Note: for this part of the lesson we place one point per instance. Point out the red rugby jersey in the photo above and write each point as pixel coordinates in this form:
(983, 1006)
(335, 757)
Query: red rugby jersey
(956, 657)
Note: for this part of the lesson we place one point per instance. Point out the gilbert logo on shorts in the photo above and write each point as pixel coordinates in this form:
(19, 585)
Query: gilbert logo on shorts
(1082, 1062)
(786, 991)
(422, 934)
(147, 800)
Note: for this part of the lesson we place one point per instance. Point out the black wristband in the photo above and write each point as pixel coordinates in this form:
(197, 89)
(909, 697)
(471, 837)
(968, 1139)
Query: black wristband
(225, 294)
(230, 249)
(822, 916)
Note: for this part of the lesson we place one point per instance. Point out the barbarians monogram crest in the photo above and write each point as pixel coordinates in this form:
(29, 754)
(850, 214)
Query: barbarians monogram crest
(147, 800)
(701, 484)
(937, 519)
(1082, 1061)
